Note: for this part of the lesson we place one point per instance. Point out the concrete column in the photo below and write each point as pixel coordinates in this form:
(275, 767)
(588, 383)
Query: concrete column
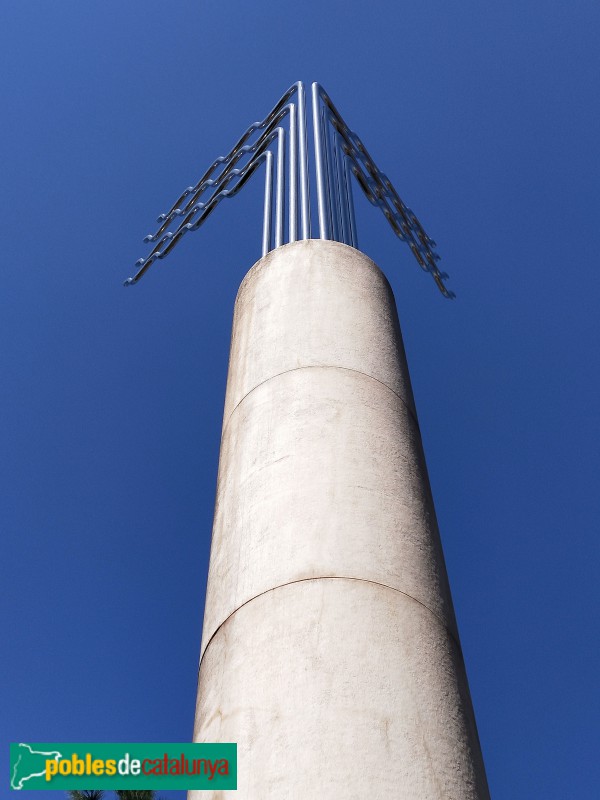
(330, 652)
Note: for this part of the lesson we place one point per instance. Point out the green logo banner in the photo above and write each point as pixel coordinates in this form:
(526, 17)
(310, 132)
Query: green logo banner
(137, 765)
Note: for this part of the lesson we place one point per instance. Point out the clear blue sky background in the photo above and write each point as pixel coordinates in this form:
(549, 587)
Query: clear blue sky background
(486, 118)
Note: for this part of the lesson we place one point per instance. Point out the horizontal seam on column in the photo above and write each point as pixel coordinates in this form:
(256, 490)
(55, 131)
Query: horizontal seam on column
(329, 578)
(321, 366)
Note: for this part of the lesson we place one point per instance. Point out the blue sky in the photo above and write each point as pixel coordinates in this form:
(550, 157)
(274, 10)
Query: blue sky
(485, 116)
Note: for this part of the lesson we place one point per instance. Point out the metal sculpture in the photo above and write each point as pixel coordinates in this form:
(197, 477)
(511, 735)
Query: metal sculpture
(339, 155)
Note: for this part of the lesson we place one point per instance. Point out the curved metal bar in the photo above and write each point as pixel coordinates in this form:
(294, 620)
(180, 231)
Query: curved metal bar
(293, 178)
(400, 223)
(380, 191)
(173, 238)
(319, 165)
(333, 196)
(339, 182)
(229, 161)
(426, 258)
(280, 187)
(372, 190)
(303, 158)
(353, 146)
(277, 113)
(339, 152)
(219, 184)
(243, 138)
(266, 239)
(384, 193)
(350, 201)
(342, 191)
(329, 196)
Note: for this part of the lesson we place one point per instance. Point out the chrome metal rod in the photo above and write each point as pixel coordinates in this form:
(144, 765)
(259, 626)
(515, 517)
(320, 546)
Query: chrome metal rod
(327, 176)
(293, 195)
(339, 154)
(333, 204)
(319, 164)
(230, 161)
(279, 199)
(171, 239)
(339, 183)
(188, 222)
(303, 158)
(240, 142)
(350, 200)
(379, 191)
(344, 200)
(266, 238)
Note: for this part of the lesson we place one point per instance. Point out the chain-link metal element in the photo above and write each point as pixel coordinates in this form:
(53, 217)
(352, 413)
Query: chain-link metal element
(339, 154)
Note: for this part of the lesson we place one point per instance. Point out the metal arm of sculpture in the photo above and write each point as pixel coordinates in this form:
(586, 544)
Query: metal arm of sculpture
(220, 192)
(339, 153)
(375, 184)
(297, 142)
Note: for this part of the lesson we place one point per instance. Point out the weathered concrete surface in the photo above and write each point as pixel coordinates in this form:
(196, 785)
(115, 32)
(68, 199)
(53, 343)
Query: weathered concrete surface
(329, 651)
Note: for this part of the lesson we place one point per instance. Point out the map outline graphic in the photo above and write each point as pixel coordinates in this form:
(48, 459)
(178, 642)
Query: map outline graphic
(53, 753)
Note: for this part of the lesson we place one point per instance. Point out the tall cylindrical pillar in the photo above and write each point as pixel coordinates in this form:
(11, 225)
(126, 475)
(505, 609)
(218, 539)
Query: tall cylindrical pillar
(330, 652)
